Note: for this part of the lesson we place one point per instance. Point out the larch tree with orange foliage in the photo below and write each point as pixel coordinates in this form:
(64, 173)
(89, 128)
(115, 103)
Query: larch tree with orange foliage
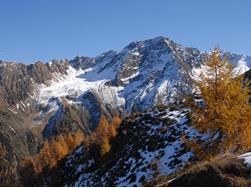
(112, 131)
(45, 154)
(51, 152)
(105, 146)
(60, 147)
(116, 121)
(70, 141)
(78, 138)
(225, 112)
(104, 132)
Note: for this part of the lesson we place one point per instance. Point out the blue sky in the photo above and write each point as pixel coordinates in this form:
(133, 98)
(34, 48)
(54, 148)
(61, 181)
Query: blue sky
(45, 29)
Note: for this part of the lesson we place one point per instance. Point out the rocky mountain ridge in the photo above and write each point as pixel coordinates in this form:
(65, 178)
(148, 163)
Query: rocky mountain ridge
(39, 100)
(147, 144)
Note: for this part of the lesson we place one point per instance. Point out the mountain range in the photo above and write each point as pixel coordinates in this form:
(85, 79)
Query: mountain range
(42, 100)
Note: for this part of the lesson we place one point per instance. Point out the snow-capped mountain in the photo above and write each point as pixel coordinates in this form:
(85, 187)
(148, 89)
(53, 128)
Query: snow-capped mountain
(41, 96)
(42, 100)
(143, 69)
(123, 81)
(132, 78)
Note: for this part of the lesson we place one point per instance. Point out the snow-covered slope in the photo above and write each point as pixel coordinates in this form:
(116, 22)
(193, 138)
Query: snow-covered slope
(134, 78)
(74, 85)
(147, 144)
(242, 66)
(246, 157)
(144, 69)
(137, 74)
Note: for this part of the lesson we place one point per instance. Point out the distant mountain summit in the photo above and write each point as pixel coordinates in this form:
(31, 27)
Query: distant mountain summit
(45, 99)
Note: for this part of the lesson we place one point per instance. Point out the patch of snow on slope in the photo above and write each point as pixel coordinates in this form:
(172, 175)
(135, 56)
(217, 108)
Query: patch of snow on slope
(241, 67)
(64, 87)
(74, 84)
(130, 77)
(163, 87)
(14, 112)
(247, 158)
(164, 156)
(153, 145)
(13, 130)
(110, 94)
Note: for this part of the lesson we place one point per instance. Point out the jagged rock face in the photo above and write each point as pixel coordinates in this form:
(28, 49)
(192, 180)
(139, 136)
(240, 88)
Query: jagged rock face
(145, 69)
(18, 87)
(15, 82)
(58, 66)
(66, 119)
(82, 62)
(16, 133)
(84, 114)
(125, 79)
(112, 83)
(18, 80)
(94, 104)
(40, 72)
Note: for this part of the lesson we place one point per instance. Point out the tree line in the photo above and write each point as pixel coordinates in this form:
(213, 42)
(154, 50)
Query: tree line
(57, 148)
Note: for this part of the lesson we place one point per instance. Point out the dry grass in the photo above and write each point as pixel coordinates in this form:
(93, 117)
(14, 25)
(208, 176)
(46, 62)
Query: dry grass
(225, 170)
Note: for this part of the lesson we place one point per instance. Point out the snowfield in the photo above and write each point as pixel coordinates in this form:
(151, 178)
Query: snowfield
(135, 76)
(73, 85)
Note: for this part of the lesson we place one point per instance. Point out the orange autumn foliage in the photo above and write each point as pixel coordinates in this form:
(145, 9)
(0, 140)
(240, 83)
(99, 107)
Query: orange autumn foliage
(60, 147)
(51, 152)
(104, 133)
(225, 112)
(57, 148)
(78, 138)
(105, 146)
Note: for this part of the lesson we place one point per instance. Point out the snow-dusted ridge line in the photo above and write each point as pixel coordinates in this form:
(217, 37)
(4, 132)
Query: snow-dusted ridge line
(134, 76)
